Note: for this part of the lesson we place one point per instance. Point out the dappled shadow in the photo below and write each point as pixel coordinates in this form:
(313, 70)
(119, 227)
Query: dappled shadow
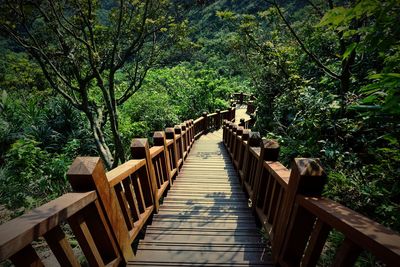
(205, 218)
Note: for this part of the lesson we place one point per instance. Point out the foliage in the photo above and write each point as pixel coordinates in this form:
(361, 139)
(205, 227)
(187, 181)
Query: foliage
(95, 54)
(327, 85)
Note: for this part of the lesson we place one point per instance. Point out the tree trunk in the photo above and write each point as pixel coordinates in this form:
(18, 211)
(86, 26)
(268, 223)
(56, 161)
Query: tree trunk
(100, 142)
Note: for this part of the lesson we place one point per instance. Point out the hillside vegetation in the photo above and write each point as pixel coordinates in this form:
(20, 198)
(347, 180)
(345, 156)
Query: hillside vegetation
(326, 75)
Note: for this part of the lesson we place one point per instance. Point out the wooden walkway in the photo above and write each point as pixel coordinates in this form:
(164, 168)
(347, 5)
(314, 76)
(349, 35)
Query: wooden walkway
(204, 220)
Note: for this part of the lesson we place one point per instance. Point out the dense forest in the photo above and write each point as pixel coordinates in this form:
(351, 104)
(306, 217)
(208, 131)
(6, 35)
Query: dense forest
(85, 77)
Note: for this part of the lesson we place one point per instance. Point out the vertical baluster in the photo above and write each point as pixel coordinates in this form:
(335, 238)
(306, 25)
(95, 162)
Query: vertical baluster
(124, 205)
(347, 254)
(224, 127)
(184, 140)
(87, 173)
(246, 159)
(170, 134)
(140, 150)
(232, 141)
(159, 140)
(294, 224)
(237, 146)
(245, 138)
(61, 248)
(178, 130)
(131, 198)
(316, 243)
(269, 152)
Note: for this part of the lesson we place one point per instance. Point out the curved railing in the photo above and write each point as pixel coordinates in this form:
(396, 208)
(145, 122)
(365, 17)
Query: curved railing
(109, 209)
(289, 205)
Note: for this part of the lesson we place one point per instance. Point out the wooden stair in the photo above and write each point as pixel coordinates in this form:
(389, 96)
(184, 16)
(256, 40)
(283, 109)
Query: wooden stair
(204, 220)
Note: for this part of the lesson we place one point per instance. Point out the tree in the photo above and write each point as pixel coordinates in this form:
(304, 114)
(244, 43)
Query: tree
(94, 53)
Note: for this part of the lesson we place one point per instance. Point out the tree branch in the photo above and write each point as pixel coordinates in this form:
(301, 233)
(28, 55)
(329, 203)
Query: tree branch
(303, 47)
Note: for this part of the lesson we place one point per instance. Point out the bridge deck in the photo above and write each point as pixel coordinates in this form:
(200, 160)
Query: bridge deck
(205, 219)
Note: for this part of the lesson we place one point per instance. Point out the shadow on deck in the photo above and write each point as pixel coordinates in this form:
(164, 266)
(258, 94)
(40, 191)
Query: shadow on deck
(204, 220)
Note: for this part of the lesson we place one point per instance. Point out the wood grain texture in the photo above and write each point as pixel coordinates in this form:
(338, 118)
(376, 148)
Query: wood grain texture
(204, 220)
(20, 232)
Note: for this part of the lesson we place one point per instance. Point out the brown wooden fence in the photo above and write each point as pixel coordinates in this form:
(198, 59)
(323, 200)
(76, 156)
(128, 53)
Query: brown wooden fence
(289, 205)
(108, 209)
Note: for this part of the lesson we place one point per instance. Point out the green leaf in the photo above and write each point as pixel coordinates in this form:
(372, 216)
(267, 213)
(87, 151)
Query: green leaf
(334, 17)
(384, 75)
(349, 50)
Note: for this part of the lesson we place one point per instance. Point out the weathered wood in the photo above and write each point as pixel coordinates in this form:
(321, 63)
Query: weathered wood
(20, 232)
(178, 131)
(140, 150)
(85, 239)
(298, 232)
(316, 243)
(185, 141)
(365, 233)
(174, 165)
(87, 173)
(118, 174)
(61, 248)
(160, 140)
(204, 218)
(307, 177)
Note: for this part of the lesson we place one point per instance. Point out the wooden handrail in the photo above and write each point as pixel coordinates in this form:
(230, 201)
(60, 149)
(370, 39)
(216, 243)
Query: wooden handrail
(289, 205)
(81, 211)
(109, 209)
(364, 232)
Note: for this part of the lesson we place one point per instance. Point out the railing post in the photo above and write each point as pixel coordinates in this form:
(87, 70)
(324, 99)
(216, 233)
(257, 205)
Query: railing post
(185, 140)
(140, 150)
(236, 146)
(205, 122)
(192, 131)
(224, 130)
(170, 134)
(229, 135)
(254, 141)
(233, 139)
(243, 151)
(294, 224)
(269, 152)
(218, 119)
(88, 173)
(180, 143)
(159, 140)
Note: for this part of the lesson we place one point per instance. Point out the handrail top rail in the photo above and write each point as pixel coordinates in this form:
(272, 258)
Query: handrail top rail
(366, 233)
(198, 120)
(21, 231)
(278, 171)
(122, 171)
(156, 150)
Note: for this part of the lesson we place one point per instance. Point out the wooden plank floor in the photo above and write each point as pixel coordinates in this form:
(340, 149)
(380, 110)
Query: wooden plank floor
(204, 220)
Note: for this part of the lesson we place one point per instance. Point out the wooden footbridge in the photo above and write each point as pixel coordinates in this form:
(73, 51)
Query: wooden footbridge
(199, 196)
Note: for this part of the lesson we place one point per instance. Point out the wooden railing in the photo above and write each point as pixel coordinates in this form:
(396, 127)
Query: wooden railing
(247, 99)
(84, 215)
(289, 205)
(108, 209)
